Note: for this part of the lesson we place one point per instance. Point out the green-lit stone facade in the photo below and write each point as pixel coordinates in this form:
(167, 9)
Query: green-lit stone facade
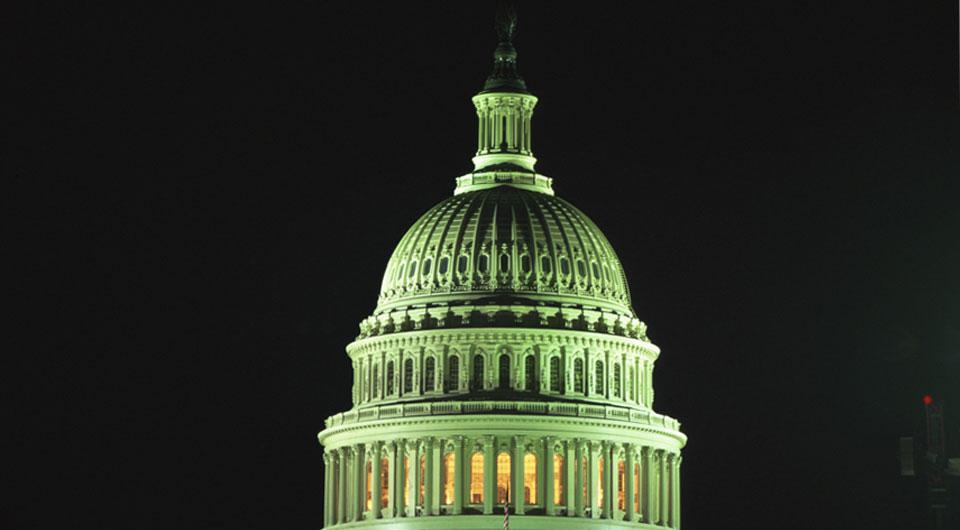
(503, 363)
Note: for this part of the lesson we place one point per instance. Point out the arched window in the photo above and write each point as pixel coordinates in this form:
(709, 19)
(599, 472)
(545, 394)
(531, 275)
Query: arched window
(504, 372)
(545, 266)
(554, 374)
(503, 478)
(376, 381)
(578, 375)
(384, 482)
(477, 382)
(530, 373)
(598, 380)
(453, 374)
(616, 380)
(423, 479)
(408, 376)
(429, 375)
(390, 378)
(530, 478)
(476, 478)
(557, 479)
(621, 486)
(369, 485)
(448, 471)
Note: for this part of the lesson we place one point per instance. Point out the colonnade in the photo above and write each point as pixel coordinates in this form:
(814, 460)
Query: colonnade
(437, 476)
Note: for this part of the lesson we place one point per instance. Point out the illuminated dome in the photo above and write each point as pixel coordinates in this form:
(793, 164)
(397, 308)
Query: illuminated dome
(503, 367)
(505, 243)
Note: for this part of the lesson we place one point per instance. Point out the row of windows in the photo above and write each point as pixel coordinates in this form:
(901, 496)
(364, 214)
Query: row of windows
(408, 271)
(629, 389)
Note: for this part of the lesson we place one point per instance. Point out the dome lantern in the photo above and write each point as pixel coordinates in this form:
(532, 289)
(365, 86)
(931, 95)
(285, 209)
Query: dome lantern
(504, 111)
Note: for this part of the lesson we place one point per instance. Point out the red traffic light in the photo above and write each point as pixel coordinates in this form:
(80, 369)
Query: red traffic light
(927, 399)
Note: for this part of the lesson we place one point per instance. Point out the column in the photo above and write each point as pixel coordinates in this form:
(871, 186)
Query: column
(327, 489)
(431, 491)
(593, 480)
(609, 480)
(342, 485)
(359, 486)
(489, 474)
(413, 484)
(375, 478)
(392, 476)
(570, 465)
(517, 471)
(675, 498)
(651, 476)
(548, 475)
(664, 492)
(579, 454)
(630, 489)
(458, 475)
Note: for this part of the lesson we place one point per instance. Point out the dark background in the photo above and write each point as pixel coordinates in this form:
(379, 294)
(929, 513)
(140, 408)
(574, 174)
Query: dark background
(203, 199)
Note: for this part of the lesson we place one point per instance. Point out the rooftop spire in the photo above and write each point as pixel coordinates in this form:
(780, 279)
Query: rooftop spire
(505, 76)
(504, 110)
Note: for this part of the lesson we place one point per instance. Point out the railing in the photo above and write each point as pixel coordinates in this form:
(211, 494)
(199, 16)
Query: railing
(646, 417)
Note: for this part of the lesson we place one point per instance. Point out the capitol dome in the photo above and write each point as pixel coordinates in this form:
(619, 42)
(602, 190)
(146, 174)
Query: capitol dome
(505, 242)
(503, 368)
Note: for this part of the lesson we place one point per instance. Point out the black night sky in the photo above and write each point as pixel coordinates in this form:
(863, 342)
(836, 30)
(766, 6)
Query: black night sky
(204, 197)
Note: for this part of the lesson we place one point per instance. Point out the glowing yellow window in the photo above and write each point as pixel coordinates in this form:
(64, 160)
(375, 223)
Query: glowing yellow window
(600, 481)
(448, 469)
(423, 478)
(530, 478)
(557, 479)
(406, 480)
(621, 486)
(369, 503)
(636, 488)
(476, 478)
(503, 478)
(384, 483)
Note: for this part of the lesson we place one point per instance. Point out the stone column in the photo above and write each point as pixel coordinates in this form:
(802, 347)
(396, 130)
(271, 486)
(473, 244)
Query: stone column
(359, 484)
(650, 516)
(630, 488)
(548, 475)
(489, 474)
(570, 464)
(675, 498)
(664, 491)
(594, 480)
(327, 488)
(518, 454)
(609, 480)
(392, 476)
(580, 480)
(432, 490)
(376, 485)
(413, 484)
(458, 472)
(341, 486)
